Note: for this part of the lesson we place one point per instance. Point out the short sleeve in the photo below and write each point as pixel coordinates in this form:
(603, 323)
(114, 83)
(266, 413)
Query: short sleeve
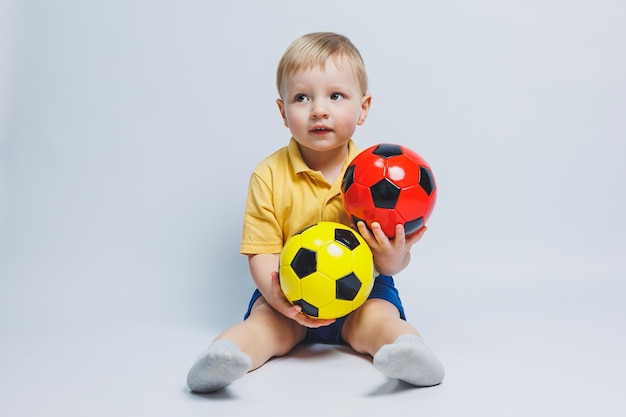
(261, 231)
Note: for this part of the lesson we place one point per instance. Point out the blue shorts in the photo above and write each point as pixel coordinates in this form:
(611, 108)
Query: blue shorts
(384, 288)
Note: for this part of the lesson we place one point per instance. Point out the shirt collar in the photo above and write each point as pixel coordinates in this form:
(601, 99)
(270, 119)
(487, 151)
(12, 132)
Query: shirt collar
(300, 166)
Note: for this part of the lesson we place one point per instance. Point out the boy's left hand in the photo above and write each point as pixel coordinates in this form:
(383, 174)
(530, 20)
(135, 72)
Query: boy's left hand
(390, 255)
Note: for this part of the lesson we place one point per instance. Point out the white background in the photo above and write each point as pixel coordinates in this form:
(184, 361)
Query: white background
(128, 130)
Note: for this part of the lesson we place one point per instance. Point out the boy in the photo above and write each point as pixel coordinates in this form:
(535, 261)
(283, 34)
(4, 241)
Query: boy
(322, 85)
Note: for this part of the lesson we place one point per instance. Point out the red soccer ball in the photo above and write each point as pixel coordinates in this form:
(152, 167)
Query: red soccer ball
(389, 184)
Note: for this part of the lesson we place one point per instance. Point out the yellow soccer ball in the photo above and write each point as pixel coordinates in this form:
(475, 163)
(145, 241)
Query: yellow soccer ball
(327, 269)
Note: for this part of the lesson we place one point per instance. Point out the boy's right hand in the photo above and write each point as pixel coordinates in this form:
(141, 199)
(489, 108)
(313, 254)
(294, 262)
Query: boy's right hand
(280, 303)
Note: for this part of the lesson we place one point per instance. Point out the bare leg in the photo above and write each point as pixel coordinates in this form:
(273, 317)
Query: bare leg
(374, 324)
(397, 348)
(243, 347)
(265, 334)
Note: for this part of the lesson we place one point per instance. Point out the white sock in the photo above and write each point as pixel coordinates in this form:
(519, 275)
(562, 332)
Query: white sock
(409, 359)
(219, 365)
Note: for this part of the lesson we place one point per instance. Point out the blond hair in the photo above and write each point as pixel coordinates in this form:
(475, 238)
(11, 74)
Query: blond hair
(314, 49)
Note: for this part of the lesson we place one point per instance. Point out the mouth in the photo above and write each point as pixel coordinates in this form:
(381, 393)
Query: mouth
(320, 130)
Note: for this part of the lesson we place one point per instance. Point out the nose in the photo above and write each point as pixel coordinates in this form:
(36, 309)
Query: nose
(319, 110)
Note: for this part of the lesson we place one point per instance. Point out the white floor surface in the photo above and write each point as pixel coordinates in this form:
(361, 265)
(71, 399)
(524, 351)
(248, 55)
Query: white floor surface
(559, 358)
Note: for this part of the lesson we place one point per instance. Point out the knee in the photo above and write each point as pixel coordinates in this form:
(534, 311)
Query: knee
(377, 310)
(367, 323)
(275, 325)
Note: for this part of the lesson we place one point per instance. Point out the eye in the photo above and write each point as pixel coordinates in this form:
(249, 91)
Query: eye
(336, 96)
(301, 98)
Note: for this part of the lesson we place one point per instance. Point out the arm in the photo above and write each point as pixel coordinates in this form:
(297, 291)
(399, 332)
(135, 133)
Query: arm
(390, 255)
(263, 268)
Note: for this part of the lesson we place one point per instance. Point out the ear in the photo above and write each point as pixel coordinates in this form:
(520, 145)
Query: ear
(366, 102)
(281, 109)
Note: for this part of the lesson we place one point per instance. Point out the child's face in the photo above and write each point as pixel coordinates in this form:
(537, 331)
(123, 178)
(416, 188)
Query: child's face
(322, 108)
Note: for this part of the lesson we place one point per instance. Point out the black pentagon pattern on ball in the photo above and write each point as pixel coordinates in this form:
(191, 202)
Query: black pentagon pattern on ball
(385, 194)
(346, 238)
(426, 180)
(348, 287)
(387, 150)
(307, 308)
(348, 178)
(413, 225)
(304, 263)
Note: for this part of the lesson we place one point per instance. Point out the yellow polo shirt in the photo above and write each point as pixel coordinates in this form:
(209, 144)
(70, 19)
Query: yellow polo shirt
(285, 196)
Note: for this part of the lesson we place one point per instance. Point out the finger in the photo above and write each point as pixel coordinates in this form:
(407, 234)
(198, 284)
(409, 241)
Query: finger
(320, 323)
(294, 311)
(381, 237)
(308, 321)
(400, 238)
(365, 233)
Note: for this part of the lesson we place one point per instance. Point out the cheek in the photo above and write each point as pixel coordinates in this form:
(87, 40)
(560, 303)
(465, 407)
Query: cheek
(295, 116)
(351, 117)
(347, 126)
